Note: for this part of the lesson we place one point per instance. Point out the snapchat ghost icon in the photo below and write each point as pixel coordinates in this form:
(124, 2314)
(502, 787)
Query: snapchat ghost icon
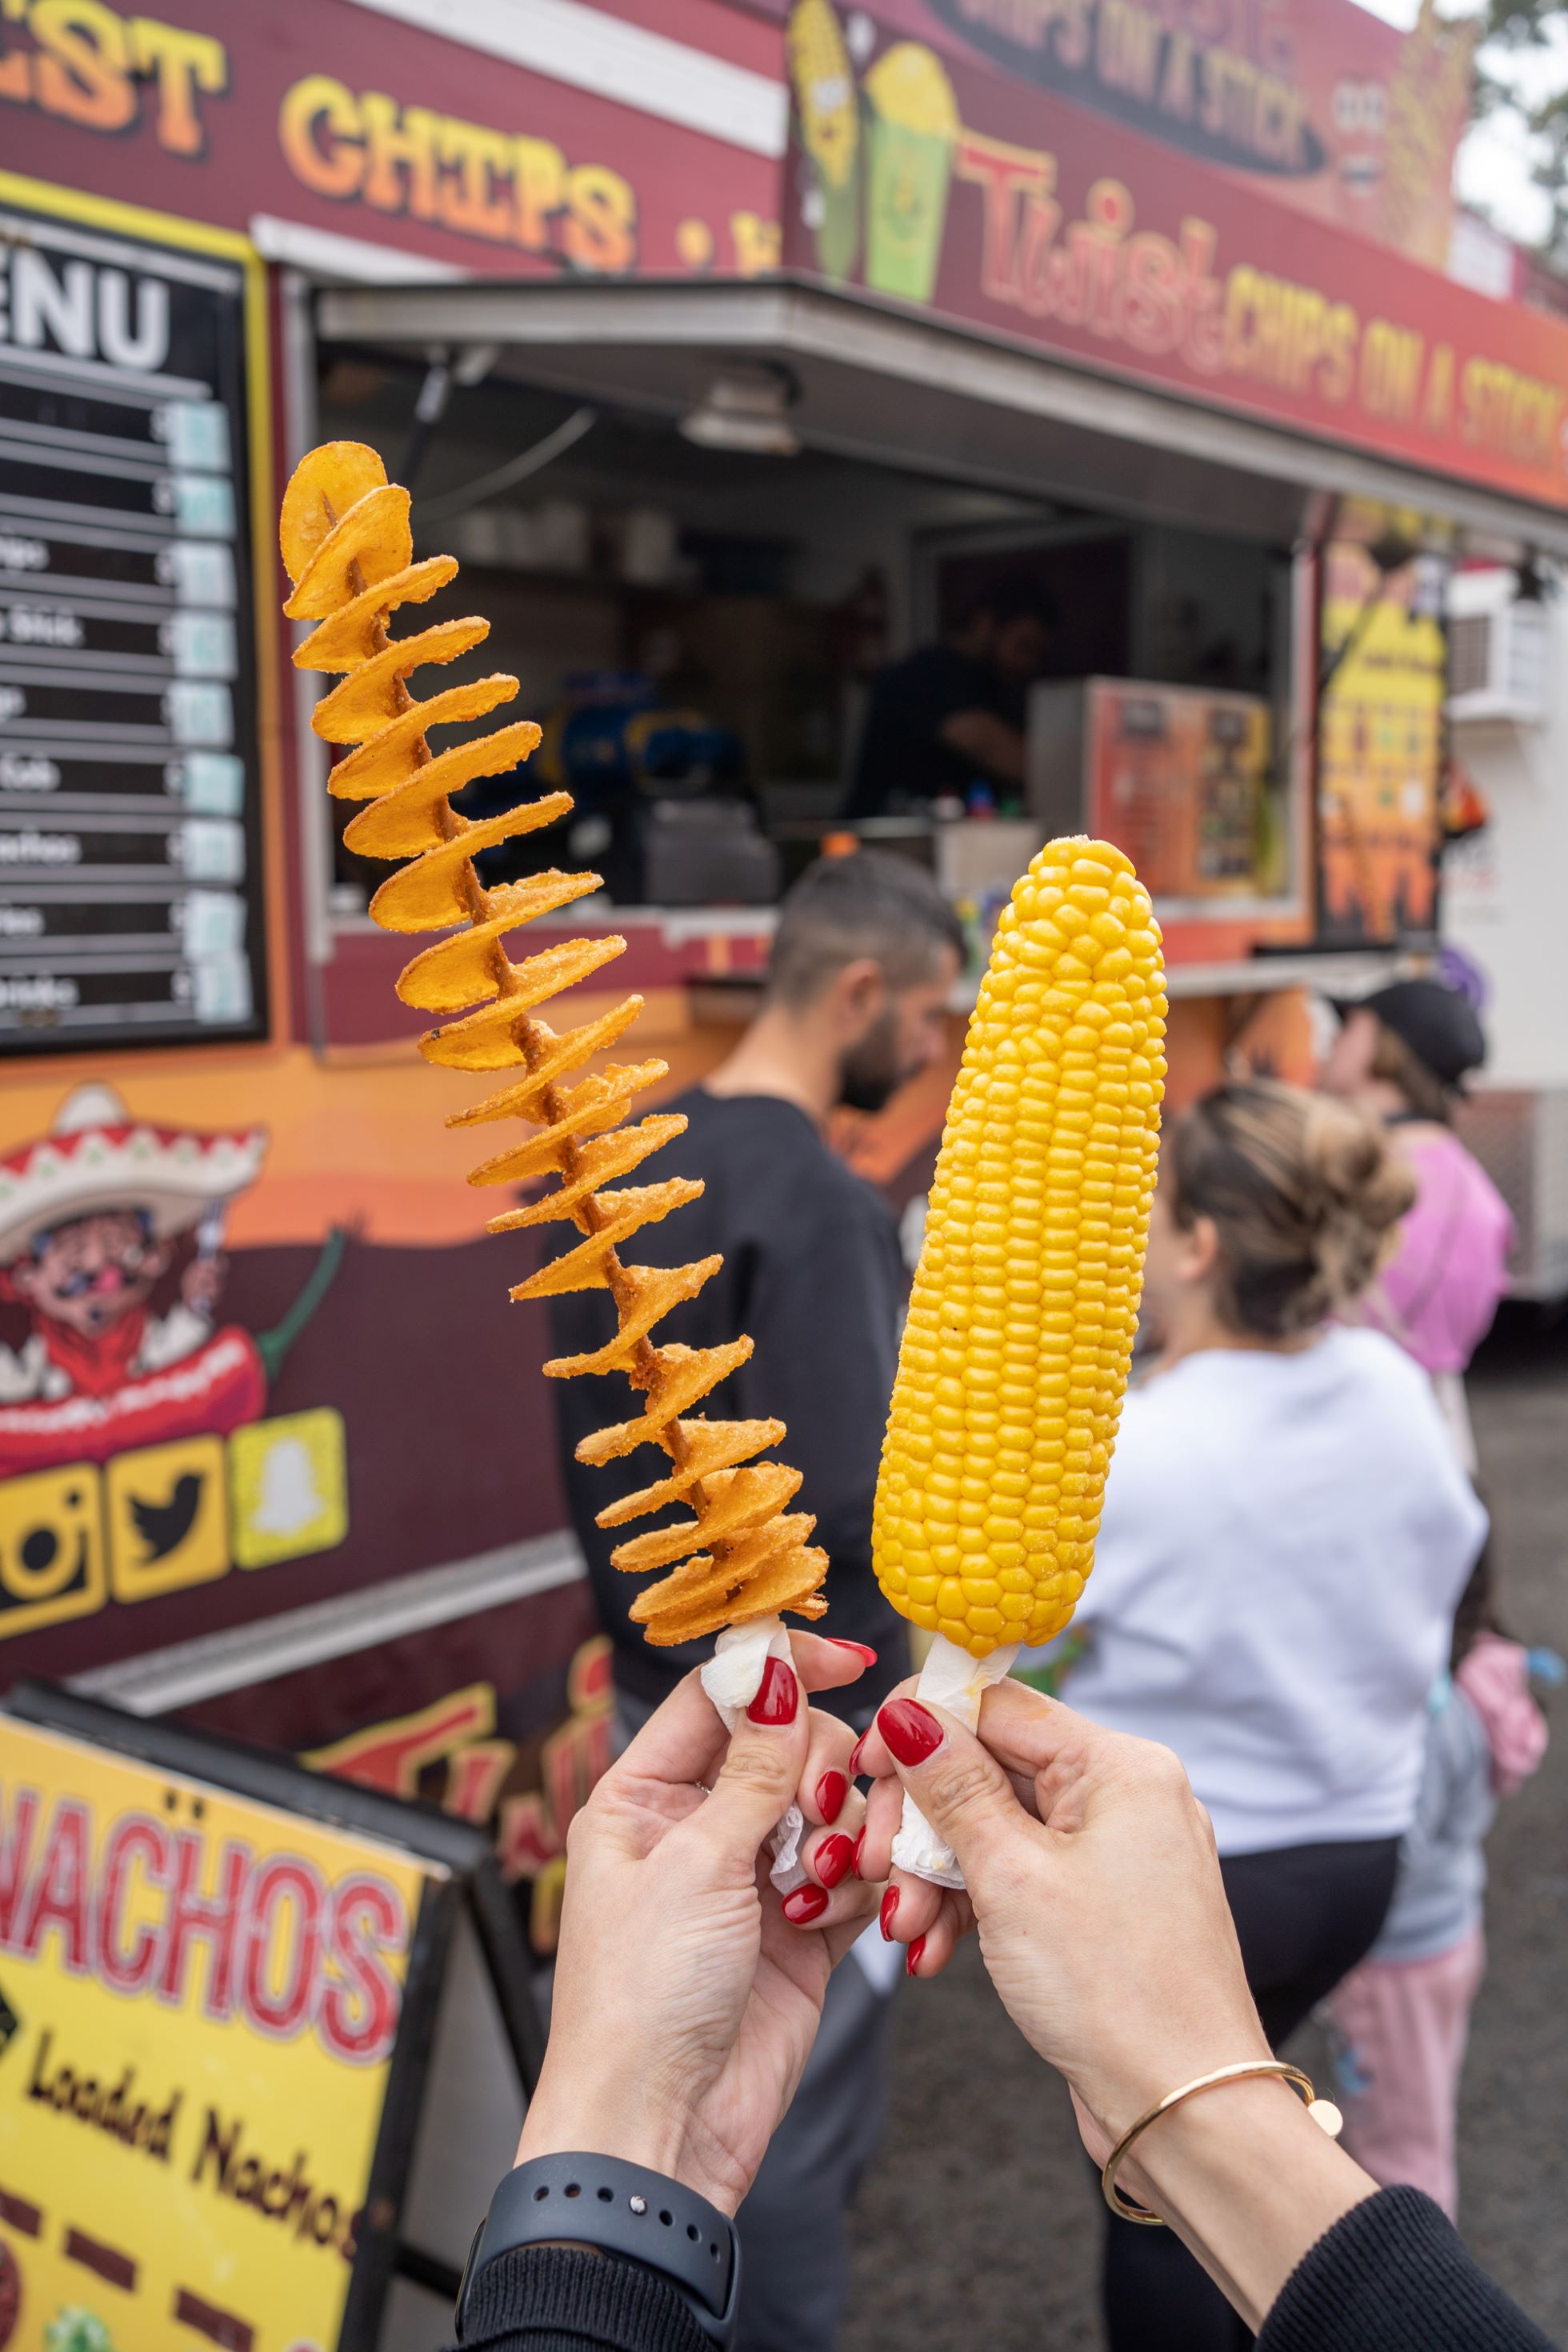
(288, 1487)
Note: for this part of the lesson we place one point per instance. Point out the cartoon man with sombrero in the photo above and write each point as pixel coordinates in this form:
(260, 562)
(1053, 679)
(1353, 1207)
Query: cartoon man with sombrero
(91, 1215)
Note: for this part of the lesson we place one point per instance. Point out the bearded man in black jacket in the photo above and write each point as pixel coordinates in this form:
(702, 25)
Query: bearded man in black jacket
(863, 967)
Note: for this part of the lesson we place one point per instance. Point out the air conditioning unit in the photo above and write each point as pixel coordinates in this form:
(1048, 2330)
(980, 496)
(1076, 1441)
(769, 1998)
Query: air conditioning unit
(1497, 651)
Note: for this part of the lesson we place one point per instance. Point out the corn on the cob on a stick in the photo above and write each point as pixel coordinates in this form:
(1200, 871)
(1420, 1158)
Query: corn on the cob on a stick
(1016, 1355)
(345, 536)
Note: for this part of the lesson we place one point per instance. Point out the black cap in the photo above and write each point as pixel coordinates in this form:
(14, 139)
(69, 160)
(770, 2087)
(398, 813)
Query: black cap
(1435, 1022)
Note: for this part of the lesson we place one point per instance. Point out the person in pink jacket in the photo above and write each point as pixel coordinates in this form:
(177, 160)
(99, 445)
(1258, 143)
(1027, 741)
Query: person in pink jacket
(1403, 1054)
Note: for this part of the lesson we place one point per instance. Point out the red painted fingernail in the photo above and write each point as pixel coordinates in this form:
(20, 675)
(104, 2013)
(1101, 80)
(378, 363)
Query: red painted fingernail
(833, 1856)
(778, 1697)
(885, 1915)
(806, 1904)
(831, 1791)
(855, 1754)
(861, 1649)
(913, 1957)
(910, 1730)
(855, 1857)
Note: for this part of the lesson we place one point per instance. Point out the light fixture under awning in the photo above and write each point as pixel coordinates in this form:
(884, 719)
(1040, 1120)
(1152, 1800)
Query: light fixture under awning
(745, 409)
(878, 384)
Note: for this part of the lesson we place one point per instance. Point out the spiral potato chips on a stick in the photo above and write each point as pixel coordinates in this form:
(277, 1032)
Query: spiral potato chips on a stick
(742, 1556)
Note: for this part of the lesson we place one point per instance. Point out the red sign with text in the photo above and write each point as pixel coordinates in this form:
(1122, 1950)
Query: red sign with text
(342, 117)
(1319, 104)
(953, 190)
(994, 197)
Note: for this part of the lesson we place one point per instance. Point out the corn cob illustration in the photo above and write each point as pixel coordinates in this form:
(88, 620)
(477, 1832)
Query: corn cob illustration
(824, 82)
(828, 106)
(347, 548)
(1016, 1354)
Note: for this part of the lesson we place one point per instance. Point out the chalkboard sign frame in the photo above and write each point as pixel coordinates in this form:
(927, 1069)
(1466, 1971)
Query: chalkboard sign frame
(465, 1882)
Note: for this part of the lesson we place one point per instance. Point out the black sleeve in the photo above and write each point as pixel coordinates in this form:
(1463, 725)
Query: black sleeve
(565, 2299)
(1394, 2277)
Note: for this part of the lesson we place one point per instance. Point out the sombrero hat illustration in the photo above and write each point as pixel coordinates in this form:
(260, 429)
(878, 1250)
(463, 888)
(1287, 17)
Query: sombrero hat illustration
(95, 1156)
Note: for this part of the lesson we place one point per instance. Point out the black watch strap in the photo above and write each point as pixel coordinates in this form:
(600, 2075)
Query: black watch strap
(617, 2208)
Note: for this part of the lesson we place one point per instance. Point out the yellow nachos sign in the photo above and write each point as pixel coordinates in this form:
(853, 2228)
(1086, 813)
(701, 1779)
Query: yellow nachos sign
(199, 1999)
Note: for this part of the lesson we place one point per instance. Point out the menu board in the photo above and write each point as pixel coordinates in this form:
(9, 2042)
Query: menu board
(1179, 779)
(130, 868)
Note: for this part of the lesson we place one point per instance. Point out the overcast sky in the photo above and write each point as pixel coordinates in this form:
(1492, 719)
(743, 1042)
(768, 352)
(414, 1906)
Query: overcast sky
(1494, 165)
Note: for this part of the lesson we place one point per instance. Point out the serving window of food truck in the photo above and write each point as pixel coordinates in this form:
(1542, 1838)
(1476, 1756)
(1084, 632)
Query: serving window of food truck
(751, 499)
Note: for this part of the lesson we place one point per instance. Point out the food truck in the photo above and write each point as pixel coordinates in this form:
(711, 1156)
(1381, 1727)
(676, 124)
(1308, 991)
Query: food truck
(735, 348)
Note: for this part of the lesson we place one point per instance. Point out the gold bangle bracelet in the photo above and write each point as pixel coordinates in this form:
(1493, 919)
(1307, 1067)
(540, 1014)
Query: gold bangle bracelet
(1323, 2113)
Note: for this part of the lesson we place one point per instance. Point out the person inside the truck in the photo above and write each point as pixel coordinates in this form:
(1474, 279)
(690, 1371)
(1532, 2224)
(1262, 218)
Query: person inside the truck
(951, 713)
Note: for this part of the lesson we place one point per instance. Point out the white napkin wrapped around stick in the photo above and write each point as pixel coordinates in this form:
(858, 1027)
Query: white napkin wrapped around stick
(950, 1678)
(731, 1678)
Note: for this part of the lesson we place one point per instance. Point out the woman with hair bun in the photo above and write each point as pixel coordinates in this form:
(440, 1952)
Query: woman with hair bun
(1286, 1535)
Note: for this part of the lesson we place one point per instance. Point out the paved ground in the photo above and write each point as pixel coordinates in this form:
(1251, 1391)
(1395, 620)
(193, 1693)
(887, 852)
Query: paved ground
(979, 2226)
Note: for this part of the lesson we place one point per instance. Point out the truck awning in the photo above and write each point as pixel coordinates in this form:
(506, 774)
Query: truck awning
(877, 384)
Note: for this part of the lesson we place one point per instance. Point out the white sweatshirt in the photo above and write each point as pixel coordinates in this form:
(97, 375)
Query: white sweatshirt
(1284, 1541)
